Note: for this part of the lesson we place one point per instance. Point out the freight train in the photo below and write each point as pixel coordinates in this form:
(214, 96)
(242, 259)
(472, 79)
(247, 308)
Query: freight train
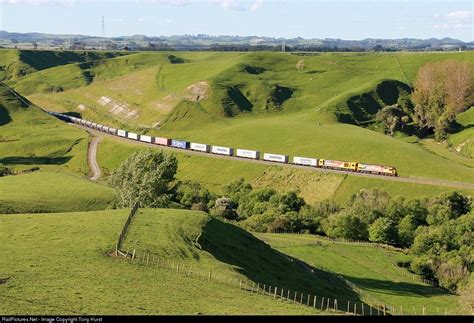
(239, 153)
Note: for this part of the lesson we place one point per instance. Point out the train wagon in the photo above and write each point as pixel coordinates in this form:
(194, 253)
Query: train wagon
(112, 131)
(179, 144)
(305, 161)
(377, 169)
(99, 127)
(105, 129)
(162, 141)
(88, 123)
(222, 150)
(275, 158)
(252, 154)
(93, 125)
(121, 133)
(83, 122)
(337, 164)
(145, 138)
(199, 147)
(132, 135)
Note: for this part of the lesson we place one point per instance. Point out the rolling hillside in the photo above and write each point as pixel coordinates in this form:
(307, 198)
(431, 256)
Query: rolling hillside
(76, 276)
(50, 159)
(256, 101)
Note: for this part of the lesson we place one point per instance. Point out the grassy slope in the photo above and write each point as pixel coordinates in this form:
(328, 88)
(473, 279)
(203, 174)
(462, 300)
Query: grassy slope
(70, 273)
(47, 191)
(371, 269)
(226, 249)
(313, 186)
(326, 83)
(30, 138)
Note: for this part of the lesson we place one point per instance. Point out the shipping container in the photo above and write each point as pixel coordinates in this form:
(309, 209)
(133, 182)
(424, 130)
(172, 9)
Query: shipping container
(105, 129)
(99, 127)
(248, 153)
(112, 131)
(93, 125)
(179, 144)
(122, 133)
(145, 138)
(88, 123)
(83, 122)
(305, 161)
(199, 147)
(162, 141)
(132, 135)
(275, 158)
(222, 150)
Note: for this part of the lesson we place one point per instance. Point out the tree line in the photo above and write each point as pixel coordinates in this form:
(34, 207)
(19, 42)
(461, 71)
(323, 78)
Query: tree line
(438, 231)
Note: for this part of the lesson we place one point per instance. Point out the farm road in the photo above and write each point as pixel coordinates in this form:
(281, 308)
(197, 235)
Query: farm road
(94, 169)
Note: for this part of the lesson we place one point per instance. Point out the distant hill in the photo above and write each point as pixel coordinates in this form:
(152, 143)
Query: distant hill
(224, 43)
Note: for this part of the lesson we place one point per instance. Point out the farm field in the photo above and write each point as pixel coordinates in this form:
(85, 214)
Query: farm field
(371, 269)
(71, 273)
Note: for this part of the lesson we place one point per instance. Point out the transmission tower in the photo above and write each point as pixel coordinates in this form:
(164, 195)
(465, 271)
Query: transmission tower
(102, 41)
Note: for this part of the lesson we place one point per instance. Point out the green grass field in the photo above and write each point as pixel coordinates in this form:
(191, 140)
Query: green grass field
(372, 270)
(69, 272)
(47, 191)
(275, 108)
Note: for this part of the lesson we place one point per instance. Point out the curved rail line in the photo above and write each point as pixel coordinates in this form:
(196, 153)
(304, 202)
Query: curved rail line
(414, 180)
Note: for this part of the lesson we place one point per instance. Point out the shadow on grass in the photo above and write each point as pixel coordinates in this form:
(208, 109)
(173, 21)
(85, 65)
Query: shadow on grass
(20, 160)
(401, 289)
(260, 263)
(4, 116)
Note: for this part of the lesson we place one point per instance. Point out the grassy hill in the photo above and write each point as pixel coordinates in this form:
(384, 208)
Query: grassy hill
(71, 273)
(31, 140)
(255, 101)
(372, 269)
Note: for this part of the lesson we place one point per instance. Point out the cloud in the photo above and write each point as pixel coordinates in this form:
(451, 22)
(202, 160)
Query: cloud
(462, 16)
(256, 5)
(441, 26)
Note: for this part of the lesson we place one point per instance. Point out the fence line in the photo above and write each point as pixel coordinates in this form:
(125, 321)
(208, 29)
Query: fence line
(285, 295)
(133, 211)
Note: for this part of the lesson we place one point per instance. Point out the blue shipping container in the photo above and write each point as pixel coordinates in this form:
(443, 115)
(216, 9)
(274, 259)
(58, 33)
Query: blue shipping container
(179, 144)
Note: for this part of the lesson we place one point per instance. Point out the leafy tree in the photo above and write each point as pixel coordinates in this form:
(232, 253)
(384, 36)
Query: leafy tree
(391, 117)
(369, 204)
(442, 90)
(5, 171)
(237, 189)
(383, 230)
(345, 225)
(145, 176)
(446, 207)
(224, 208)
(406, 230)
(288, 202)
(193, 195)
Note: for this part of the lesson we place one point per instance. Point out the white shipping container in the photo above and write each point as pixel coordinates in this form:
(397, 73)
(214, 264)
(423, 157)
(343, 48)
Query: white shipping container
(99, 127)
(93, 125)
(275, 158)
(145, 138)
(122, 133)
(199, 147)
(248, 153)
(132, 135)
(305, 161)
(105, 129)
(222, 150)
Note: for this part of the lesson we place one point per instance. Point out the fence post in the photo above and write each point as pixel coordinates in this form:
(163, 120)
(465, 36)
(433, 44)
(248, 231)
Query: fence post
(307, 303)
(327, 305)
(301, 298)
(294, 300)
(384, 309)
(355, 308)
(281, 294)
(423, 310)
(147, 259)
(322, 303)
(314, 302)
(348, 303)
(370, 308)
(335, 305)
(133, 254)
(240, 286)
(209, 275)
(275, 294)
(288, 296)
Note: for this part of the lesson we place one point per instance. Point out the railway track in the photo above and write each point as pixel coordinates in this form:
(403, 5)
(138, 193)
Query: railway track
(414, 180)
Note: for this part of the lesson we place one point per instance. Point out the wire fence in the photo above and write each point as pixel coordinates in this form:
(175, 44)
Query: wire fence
(320, 303)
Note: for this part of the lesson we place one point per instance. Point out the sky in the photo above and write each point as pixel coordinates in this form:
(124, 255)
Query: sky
(347, 19)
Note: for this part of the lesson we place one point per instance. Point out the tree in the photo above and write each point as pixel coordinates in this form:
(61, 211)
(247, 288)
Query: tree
(193, 195)
(442, 90)
(369, 204)
(145, 176)
(406, 230)
(300, 65)
(392, 118)
(345, 225)
(224, 208)
(383, 230)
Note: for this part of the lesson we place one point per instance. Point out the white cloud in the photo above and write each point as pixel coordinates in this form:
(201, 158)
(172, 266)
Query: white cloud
(141, 19)
(441, 26)
(461, 16)
(256, 5)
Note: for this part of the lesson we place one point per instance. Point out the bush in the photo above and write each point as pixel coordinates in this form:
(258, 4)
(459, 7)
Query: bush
(345, 225)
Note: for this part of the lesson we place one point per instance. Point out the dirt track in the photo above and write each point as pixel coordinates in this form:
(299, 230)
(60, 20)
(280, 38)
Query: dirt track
(94, 169)
(415, 180)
